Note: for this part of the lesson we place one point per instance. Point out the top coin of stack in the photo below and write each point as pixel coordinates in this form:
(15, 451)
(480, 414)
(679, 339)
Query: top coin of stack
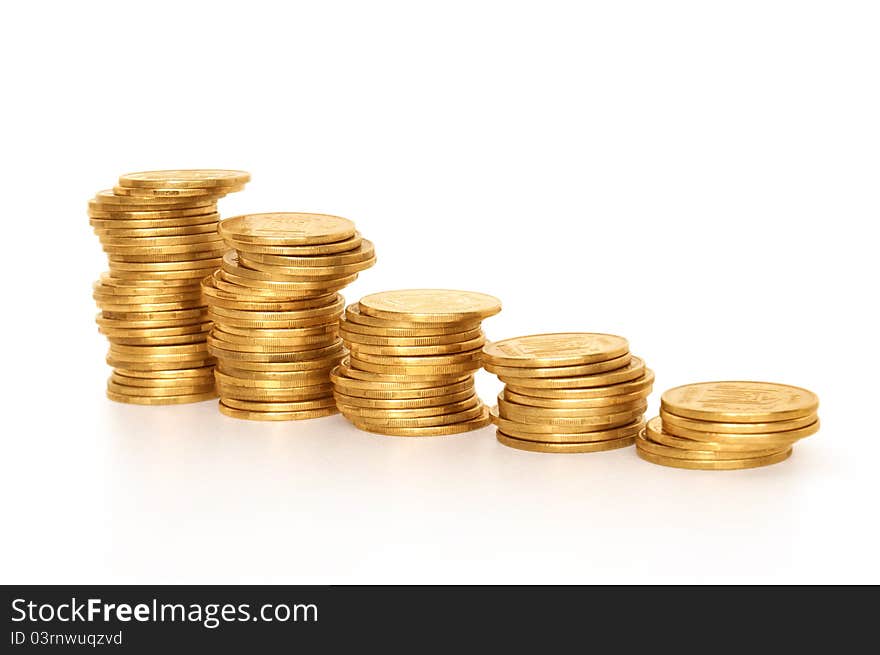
(413, 354)
(159, 230)
(276, 310)
(572, 392)
(728, 425)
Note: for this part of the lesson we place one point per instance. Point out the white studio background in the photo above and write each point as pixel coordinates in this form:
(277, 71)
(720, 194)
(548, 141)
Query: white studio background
(700, 177)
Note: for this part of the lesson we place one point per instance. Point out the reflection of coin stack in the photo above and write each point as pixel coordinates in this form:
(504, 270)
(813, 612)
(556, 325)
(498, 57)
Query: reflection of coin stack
(159, 230)
(276, 312)
(728, 425)
(568, 393)
(413, 354)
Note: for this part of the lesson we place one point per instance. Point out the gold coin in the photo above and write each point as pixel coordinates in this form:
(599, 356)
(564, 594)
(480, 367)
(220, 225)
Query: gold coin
(113, 212)
(629, 430)
(111, 199)
(301, 406)
(108, 284)
(296, 343)
(130, 192)
(577, 403)
(145, 298)
(155, 351)
(229, 323)
(185, 179)
(276, 416)
(739, 402)
(220, 349)
(373, 386)
(269, 348)
(361, 253)
(465, 358)
(302, 273)
(240, 367)
(406, 413)
(198, 315)
(525, 374)
(430, 305)
(271, 380)
(106, 324)
(299, 395)
(198, 267)
(281, 333)
(644, 442)
(727, 442)
(570, 426)
(387, 331)
(167, 244)
(208, 220)
(332, 309)
(474, 411)
(152, 233)
(162, 383)
(159, 341)
(418, 372)
(563, 349)
(676, 423)
(432, 380)
(642, 384)
(632, 371)
(149, 307)
(418, 351)
(409, 342)
(714, 465)
(552, 447)
(161, 400)
(164, 364)
(142, 391)
(334, 248)
(749, 440)
(233, 300)
(287, 288)
(480, 421)
(525, 413)
(195, 328)
(402, 403)
(287, 229)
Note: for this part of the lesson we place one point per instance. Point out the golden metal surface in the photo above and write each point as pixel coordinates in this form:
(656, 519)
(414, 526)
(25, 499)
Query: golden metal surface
(556, 350)
(739, 402)
(430, 305)
(208, 178)
(287, 229)
(539, 447)
(716, 465)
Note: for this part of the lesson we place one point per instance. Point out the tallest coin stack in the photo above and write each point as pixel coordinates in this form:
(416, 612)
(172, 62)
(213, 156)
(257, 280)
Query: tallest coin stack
(159, 230)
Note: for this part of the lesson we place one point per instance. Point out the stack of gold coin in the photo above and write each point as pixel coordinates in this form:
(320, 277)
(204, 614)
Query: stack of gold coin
(413, 355)
(572, 392)
(728, 425)
(159, 230)
(275, 311)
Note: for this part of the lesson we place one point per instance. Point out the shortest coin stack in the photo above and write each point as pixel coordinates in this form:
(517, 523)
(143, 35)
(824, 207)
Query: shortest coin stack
(413, 354)
(574, 392)
(728, 425)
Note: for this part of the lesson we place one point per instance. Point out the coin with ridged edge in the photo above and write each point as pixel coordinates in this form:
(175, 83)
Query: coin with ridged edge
(201, 178)
(430, 305)
(555, 350)
(739, 402)
(287, 229)
(539, 447)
